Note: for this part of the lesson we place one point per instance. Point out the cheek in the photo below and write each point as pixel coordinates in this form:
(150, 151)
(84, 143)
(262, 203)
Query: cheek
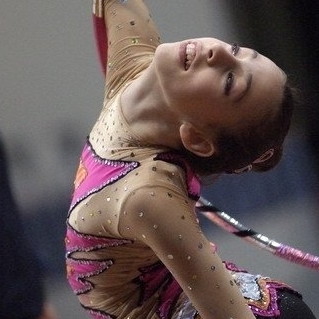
(205, 93)
(207, 83)
(199, 90)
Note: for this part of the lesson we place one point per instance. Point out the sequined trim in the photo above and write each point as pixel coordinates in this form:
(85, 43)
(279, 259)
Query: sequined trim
(97, 314)
(259, 292)
(188, 311)
(76, 241)
(95, 173)
(80, 270)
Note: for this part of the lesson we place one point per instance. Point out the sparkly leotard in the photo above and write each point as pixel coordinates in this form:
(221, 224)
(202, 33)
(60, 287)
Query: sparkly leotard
(134, 246)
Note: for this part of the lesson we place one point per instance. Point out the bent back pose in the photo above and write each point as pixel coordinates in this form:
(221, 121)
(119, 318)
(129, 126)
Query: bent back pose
(172, 113)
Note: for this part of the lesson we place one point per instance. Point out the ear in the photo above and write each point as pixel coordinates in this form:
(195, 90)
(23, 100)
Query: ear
(195, 141)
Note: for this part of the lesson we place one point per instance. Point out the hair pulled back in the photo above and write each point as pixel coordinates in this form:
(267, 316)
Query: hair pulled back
(237, 149)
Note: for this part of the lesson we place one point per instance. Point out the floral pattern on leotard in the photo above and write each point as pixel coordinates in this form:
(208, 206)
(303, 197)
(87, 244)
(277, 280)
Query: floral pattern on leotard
(80, 270)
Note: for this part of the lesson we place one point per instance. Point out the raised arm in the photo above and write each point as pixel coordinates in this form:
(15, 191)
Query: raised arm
(130, 34)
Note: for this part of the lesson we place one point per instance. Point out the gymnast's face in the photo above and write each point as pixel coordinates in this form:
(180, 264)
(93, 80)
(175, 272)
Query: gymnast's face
(209, 81)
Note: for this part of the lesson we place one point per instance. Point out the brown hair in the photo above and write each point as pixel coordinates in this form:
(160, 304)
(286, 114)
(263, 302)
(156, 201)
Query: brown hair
(237, 149)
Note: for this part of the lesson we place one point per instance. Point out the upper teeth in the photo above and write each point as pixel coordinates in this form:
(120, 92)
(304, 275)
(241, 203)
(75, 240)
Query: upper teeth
(190, 55)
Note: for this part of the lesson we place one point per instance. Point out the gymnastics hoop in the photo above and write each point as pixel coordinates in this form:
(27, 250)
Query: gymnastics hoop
(233, 226)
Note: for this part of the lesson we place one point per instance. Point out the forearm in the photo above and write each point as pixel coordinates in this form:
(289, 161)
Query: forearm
(130, 34)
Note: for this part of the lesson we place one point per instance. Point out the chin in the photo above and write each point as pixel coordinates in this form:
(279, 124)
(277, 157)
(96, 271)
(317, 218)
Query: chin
(166, 57)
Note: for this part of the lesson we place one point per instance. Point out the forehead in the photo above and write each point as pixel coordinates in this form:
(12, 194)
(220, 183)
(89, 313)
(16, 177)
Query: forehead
(268, 80)
(266, 89)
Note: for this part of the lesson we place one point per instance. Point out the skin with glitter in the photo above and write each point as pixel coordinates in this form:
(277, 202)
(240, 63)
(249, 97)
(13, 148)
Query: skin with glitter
(134, 246)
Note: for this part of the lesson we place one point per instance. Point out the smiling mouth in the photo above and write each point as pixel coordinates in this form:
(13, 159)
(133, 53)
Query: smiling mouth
(190, 53)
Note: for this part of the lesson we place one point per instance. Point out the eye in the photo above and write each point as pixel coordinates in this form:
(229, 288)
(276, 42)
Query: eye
(235, 49)
(229, 83)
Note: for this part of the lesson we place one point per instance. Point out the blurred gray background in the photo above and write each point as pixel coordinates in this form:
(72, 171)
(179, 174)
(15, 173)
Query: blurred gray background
(51, 93)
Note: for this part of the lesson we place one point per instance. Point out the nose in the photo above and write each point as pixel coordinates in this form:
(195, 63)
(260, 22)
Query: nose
(219, 55)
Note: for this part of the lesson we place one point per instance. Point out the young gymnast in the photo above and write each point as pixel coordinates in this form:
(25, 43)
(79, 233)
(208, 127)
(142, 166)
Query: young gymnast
(172, 113)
